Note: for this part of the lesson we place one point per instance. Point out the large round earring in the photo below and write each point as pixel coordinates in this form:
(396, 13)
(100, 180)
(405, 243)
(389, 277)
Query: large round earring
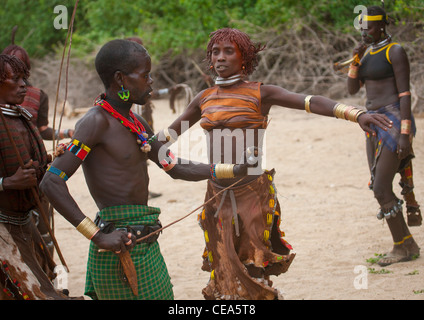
(124, 94)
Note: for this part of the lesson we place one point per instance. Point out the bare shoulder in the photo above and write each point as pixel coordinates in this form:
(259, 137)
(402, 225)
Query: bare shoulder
(269, 90)
(93, 114)
(92, 125)
(275, 95)
(195, 103)
(191, 113)
(397, 53)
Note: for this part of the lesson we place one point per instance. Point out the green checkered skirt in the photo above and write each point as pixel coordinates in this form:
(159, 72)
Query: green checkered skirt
(105, 279)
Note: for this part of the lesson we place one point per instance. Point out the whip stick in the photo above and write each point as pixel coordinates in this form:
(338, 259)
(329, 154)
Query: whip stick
(125, 257)
(202, 205)
(34, 193)
(68, 37)
(182, 218)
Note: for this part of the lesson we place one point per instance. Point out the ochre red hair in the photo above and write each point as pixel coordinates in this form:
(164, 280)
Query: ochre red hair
(16, 65)
(13, 49)
(249, 51)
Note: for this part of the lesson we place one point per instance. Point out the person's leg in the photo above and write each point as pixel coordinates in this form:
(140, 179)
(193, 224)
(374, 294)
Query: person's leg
(404, 245)
(412, 207)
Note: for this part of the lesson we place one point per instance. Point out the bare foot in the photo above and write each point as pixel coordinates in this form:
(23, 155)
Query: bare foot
(406, 251)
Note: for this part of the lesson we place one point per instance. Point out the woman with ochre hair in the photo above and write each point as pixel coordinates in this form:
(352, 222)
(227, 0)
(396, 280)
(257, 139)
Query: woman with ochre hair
(244, 243)
(36, 101)
(384, 70)
(26, 266)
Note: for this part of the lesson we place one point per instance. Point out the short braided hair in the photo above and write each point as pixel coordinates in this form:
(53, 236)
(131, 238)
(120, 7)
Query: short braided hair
(249, 50)
(13, 49)
(17, 66)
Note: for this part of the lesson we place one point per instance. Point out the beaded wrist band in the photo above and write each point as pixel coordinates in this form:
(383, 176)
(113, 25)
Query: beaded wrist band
(405, 127)
(213, 172)
(169, 162)
(353, 71)
(88, 228)
(342, 111)
(222, 171)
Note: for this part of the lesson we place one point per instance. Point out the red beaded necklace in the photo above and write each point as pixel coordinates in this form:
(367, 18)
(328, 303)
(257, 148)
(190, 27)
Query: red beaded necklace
(135, 127)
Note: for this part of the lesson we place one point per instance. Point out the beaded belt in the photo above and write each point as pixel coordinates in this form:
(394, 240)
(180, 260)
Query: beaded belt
(16, 220)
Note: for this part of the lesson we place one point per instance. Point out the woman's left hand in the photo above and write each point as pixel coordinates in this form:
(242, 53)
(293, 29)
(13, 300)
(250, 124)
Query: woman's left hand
(404, 146)
(365, 121)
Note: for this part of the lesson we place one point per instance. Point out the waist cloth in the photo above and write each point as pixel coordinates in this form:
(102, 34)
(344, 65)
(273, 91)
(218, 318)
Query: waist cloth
(105, 279)
(244, 244)
(388, 139)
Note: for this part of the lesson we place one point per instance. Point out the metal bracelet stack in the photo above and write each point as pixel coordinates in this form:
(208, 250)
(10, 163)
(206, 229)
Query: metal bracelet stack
(342, 111)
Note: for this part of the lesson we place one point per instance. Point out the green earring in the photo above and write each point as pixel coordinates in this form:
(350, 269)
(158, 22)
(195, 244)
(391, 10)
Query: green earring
(124, 94)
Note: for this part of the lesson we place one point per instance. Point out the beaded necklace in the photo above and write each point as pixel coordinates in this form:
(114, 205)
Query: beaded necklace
(135, 127)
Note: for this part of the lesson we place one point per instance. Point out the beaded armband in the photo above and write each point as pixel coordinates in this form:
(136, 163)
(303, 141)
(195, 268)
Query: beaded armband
(169, 162)
(58, 172)
(79, 149)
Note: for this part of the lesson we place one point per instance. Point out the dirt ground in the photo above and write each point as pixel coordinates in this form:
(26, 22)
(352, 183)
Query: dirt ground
(328, 212)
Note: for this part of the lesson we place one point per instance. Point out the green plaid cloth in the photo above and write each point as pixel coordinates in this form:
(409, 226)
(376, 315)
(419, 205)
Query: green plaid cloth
(104, 279)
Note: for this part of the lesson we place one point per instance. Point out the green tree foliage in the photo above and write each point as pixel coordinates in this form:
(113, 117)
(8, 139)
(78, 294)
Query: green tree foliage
(174, 25)
(35, 25)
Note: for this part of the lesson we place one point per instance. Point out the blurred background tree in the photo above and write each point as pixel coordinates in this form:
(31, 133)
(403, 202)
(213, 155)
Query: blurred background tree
(175, 25)
(303, 37)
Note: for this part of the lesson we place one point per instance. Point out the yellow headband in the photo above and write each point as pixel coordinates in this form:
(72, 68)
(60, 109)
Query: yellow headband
(373, 18)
